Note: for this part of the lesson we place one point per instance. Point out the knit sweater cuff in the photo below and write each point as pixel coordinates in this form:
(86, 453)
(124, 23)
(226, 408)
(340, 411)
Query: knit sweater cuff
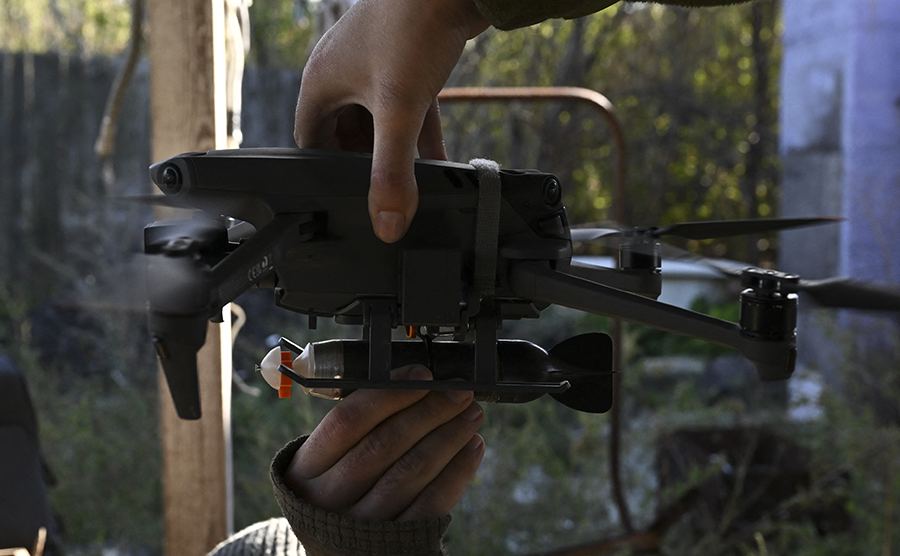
(325, 533)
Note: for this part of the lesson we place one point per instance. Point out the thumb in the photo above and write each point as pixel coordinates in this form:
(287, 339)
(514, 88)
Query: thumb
(393, 194)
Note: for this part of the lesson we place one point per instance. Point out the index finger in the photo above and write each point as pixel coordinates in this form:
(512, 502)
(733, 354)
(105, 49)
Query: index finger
(351, 420)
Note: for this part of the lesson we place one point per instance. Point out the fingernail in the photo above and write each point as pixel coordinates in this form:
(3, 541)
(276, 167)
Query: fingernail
(389, 226)
(476, 444)
(458, 396)
(472, 413)
(418, 372)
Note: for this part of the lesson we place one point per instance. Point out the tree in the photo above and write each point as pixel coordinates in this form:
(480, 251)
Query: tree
(79, 27)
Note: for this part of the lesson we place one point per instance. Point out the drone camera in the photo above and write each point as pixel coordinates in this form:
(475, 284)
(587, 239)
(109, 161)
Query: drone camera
(552, 192)
(171, 179)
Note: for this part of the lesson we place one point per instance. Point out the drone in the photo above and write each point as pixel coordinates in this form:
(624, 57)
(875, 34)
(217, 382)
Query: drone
(487, 245)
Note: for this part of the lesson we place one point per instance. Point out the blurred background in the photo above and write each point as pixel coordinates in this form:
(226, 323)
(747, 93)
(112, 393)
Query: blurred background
(757, 110)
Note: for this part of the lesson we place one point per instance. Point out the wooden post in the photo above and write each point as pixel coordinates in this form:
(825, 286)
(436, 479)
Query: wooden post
(187, 78)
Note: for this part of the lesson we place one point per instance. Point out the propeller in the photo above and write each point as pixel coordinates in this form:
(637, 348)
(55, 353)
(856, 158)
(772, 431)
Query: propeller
(712, 229)
(222, 203)
(852, 294)
(206, 235)
(152, 200)
(837, 293)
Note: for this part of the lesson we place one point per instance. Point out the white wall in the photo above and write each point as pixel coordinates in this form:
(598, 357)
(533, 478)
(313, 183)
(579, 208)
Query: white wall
(840, 133)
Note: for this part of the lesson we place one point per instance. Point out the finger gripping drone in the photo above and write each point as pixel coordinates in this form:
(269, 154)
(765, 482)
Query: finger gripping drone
(487, 245)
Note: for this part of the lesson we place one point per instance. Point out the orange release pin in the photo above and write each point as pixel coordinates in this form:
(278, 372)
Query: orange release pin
(284, 391)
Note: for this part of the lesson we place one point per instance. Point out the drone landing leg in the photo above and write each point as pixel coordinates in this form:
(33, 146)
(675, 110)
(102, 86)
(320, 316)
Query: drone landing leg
(377, 331)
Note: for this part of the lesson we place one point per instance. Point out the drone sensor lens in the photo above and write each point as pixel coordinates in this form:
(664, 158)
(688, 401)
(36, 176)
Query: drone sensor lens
(552, 191)
(171, 179)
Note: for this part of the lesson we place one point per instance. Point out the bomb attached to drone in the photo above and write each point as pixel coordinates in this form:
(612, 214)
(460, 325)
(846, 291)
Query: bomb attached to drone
(575, 372)
(486, 245)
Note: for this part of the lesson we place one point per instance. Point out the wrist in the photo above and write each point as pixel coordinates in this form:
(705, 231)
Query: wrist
(466, 16)
(478, 21)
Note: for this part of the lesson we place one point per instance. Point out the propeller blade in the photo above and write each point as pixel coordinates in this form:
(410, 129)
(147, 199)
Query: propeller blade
(852, 294)
(727, 228)
(154, 200)
(592, 234)
(123, 285)
(210, 235)
(838, 293)
(593, 353)
(178, 285)
(727, 268)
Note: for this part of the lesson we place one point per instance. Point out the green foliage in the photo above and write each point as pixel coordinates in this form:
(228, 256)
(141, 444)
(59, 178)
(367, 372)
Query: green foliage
(539, 456)
(282, 33)
(544, 482)
(852, 441)
(100, 438)
(695, 92)
(655, 342)
(854, 482)
(261, 425)
(102, 442)
(79, 27)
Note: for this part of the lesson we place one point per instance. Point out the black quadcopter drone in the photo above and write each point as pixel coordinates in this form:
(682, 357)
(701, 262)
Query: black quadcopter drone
(485, 246)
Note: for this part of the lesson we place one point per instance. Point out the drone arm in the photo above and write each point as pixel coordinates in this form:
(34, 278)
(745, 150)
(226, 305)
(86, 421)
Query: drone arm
(178, 314)
(531, 280)
(643, 282)
(536, 282)
(255, 258)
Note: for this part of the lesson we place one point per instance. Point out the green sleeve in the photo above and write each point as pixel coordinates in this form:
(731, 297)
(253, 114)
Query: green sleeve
(326, 534)
(512, 14)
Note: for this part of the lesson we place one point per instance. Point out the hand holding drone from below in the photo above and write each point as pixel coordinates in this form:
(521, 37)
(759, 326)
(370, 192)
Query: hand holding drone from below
(394, 455)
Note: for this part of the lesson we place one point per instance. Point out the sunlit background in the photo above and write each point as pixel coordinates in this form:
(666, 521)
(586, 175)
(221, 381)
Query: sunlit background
(712, 460)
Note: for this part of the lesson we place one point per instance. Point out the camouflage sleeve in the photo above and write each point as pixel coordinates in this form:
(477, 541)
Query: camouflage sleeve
(513, 14)
(326, 534)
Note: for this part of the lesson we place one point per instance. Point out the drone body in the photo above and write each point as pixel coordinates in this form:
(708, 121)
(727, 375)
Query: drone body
(300, 226)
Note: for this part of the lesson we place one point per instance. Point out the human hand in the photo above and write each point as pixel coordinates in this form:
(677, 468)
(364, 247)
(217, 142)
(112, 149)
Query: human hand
(371, 85)
(391, 455)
